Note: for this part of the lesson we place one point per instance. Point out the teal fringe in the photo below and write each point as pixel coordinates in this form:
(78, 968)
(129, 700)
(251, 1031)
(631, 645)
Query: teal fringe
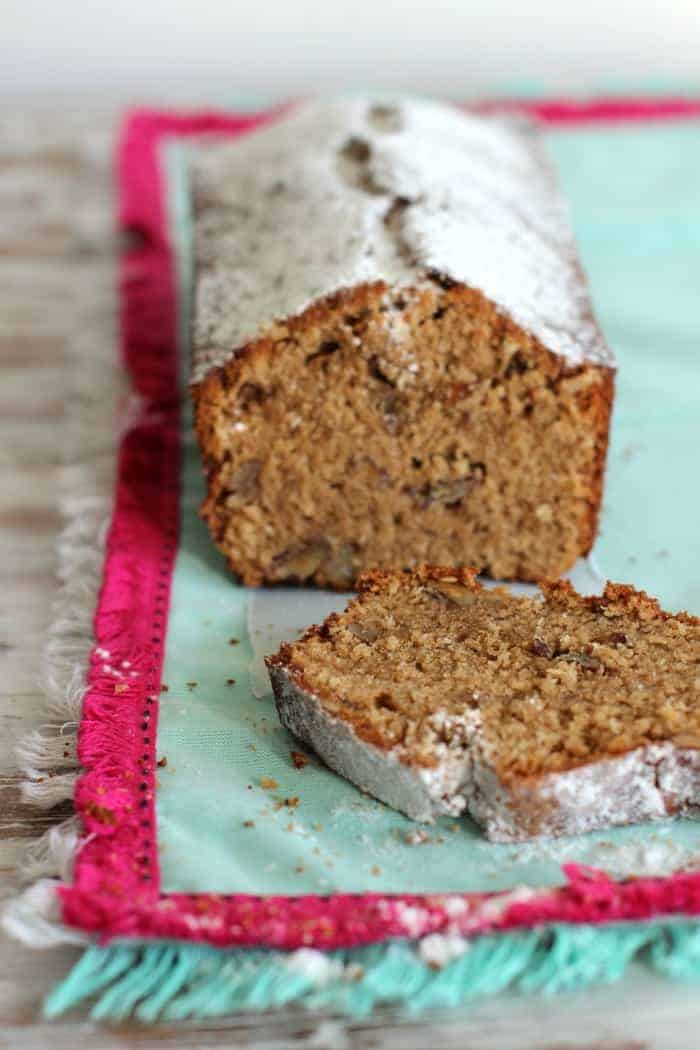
(173, 981)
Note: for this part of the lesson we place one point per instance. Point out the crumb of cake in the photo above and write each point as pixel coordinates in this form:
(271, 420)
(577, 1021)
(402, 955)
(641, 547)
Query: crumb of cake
(375, 870)
(100, 813)
(285, 803)
(162, 762)
(248, 823)
(234, 641)
(120, 687)
(164, 688)
(299, 869)
(230, 681)
(299, 759)
(191, 685)
(268, 783)
(251, 747)
(317, 826)
(417, 837)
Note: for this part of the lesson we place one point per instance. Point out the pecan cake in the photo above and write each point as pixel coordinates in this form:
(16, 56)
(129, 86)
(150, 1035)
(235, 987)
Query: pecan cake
(395, 359)
(535, 717)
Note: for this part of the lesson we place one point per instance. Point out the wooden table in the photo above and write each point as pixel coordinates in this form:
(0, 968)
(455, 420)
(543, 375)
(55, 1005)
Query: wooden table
(57, 300)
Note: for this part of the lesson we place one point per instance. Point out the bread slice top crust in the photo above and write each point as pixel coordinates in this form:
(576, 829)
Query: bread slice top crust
(352, 192)
(420, 662)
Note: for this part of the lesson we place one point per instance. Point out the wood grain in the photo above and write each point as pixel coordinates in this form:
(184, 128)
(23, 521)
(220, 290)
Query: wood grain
(57, 252)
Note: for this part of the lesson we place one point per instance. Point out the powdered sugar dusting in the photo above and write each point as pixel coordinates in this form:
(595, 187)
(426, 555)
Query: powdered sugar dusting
(493, 907)
(650, 856)
(439, 949)
(317, 967)
(454, 906)
(646, 784)
(412, 919)
(329, 198)
(643, 852)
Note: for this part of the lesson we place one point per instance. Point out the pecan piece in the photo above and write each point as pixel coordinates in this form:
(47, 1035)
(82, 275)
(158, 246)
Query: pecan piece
(242, 486)
(363, 632)
(453, 593)
(540, 648)
(583, 659)
(340, 566)
(302, 561)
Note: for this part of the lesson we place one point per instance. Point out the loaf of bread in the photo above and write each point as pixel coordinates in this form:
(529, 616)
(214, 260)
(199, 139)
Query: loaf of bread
(534, 717)
(395, 360)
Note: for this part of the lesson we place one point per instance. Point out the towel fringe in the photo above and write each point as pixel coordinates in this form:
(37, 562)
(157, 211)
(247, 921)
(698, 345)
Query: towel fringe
(47, 757)
(176, 981)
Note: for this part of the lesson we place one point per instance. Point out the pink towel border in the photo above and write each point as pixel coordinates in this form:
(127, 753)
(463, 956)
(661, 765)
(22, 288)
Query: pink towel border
(116, 887)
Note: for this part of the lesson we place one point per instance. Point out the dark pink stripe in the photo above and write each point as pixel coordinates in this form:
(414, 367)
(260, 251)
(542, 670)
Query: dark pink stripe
(599, 110)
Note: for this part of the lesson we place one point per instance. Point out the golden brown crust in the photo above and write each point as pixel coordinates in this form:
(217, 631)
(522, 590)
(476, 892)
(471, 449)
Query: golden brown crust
(362, 724)
(603, 404)
(616, 599)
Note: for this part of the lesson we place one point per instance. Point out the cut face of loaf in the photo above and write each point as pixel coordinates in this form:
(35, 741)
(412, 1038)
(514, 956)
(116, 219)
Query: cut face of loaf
(535, 717)
(395, 357)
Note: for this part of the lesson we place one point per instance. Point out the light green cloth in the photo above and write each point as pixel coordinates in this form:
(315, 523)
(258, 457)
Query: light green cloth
(635, 194)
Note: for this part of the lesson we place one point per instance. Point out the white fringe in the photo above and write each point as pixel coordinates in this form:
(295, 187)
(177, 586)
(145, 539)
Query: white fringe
(47, 757)
(53, 853)
(39, 751)
(34, 918)
(45, 792)
(80, 555)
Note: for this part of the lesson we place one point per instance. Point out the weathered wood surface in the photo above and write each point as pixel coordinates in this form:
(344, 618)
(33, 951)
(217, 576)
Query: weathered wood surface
(57, 250)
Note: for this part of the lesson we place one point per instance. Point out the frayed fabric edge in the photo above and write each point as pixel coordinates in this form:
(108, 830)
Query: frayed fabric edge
(47, 756)
(175, 981)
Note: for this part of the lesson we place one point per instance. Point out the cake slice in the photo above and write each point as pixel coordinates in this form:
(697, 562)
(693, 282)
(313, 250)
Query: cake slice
(395, 357)
(536, 716)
